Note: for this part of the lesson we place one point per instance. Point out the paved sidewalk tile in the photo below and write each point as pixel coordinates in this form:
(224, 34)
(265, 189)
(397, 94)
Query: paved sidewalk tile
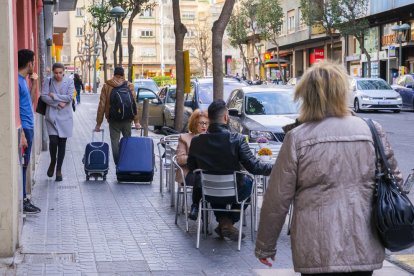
(105, 228)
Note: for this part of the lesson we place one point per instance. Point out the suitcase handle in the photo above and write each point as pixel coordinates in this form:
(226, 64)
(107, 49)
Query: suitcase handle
(101, 131)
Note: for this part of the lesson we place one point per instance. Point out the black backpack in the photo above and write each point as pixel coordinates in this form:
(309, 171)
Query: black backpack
(122, 104)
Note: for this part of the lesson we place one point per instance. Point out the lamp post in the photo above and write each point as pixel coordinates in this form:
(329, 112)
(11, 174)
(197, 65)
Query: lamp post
(400, 36)
(117, 12)
(97, 51)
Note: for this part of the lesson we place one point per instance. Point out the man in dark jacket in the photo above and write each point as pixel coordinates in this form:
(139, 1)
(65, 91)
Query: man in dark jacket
(223, 152)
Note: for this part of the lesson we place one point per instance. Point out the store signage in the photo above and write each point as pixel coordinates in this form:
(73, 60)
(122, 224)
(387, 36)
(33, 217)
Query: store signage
(391, 51)
(353, 58)
(319, 54)
(267, 56)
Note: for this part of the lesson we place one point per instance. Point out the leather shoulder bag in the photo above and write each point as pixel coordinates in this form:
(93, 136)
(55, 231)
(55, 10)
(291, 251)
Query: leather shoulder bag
(393, 212)
(41, 105)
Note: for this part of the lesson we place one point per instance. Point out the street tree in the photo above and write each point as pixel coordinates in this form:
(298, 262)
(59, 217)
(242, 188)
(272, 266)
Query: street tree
(351, 21)
(249, 13)
(219, 26)
(201, 42)
(324, 13)
(135, 7)
(179, 30)
(125, 5)
(237, 33)
(270, 22)
(102, 24)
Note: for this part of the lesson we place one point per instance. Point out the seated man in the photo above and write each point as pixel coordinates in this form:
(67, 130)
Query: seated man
(223, 152)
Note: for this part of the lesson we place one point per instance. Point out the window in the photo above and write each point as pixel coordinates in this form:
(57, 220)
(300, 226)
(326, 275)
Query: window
(147, 33)
(148, 52)
(291, 20)
(188, 15)
(124, 32)
(147, 13)
(125, 51)
(79, 12)
(190, 34)
(79, 31)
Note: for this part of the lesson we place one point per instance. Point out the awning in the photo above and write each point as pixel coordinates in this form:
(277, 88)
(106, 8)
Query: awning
(276, 61)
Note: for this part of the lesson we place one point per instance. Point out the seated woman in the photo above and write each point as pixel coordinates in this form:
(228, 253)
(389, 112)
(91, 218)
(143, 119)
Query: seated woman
(197, 124)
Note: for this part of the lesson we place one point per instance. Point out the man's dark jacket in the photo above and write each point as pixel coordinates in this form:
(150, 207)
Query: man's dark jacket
(222, 151)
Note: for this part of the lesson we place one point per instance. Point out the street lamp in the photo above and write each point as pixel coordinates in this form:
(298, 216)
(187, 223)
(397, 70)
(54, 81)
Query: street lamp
(97, 51)
(117, 12)
(400, 36)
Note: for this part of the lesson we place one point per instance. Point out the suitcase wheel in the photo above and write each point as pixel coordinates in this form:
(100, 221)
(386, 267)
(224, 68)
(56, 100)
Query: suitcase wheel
(87, 178)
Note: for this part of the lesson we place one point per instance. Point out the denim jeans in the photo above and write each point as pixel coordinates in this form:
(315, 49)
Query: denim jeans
(78, 95)
(29, 133)
(243, 192)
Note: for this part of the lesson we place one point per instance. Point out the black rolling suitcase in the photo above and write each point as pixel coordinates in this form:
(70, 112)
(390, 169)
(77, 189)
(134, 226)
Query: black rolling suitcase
(136, 160)
(96, 158)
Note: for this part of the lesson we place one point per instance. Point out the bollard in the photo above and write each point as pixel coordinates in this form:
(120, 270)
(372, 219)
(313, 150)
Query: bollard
(144, 117)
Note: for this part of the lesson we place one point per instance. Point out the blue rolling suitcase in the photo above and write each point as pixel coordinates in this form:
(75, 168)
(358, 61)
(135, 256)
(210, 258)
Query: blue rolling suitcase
(96, 158)
(136, 160)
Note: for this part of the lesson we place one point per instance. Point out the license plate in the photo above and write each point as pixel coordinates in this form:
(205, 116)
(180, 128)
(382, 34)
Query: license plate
(384, 102)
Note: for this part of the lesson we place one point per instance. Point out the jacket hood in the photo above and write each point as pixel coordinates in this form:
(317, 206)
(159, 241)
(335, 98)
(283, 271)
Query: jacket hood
(115, 82)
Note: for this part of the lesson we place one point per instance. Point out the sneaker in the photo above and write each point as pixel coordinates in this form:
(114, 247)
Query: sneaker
(29, 208)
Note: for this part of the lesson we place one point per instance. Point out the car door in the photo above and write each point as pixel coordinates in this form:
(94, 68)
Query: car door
(154, 106)
(402, 89)
(236, 102)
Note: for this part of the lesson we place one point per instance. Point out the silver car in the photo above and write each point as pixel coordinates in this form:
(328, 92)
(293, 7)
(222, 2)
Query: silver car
(373, 94)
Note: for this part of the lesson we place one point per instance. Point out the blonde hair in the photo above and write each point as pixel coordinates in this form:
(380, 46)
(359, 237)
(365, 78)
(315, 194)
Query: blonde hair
(194, 119)
(323, 90)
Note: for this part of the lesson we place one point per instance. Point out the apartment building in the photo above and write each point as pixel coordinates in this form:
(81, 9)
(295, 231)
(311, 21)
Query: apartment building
(153, 40)
(301, 45)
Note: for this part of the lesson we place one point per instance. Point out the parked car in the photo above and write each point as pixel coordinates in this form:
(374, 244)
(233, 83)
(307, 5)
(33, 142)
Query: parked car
(202, 92)
(404, 85)
(373, 94)
(161, 106)
(146, 83)
(262, 111)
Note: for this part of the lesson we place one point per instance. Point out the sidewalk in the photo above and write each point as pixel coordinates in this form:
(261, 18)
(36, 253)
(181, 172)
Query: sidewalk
(105, 228)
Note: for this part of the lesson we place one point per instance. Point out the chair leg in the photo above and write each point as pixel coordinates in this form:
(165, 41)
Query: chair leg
(199, 225)
(252, 222)
(244, 219)
(241, 226)
(205, 221)
(185, 208)
(176, 207)
(161, 174)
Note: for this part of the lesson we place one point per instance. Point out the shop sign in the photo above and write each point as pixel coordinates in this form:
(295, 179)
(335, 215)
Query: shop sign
(391, 51)
(353, 58)
(388, 39)
(317, 55)
(267, 56)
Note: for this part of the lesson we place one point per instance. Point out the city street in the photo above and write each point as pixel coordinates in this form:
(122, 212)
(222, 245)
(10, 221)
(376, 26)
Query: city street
(106, 228)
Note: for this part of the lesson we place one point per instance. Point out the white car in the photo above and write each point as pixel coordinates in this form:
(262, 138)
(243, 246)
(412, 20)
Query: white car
(373, 94)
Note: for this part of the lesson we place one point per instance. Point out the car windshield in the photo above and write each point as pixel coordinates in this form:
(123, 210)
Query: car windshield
(171, 95)
(373, 85)
(146, 95)
(270, 103)
(206, 91)
(149, 84)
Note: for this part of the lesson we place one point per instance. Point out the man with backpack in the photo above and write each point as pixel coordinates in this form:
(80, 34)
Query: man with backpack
(118, 103)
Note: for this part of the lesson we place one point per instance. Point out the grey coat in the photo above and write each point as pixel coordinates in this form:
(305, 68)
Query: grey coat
(59, 121)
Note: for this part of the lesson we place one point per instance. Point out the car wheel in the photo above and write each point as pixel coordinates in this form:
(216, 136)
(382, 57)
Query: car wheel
(356, 106)
(397, 111)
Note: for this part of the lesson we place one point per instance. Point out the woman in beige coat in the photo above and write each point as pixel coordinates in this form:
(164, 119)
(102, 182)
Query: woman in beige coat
(197, 124)
(326, 167)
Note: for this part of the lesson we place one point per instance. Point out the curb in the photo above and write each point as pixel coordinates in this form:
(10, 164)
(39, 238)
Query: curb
(405, 262)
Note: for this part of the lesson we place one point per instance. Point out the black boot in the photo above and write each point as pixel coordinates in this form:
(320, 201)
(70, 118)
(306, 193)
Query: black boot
(193, 212)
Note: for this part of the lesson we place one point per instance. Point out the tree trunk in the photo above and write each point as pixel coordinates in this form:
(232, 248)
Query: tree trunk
(279, 65)
(179, 30)
(205, 67)
(130, 46)
(245, 60)
(120, 50)
(363, 50)
(104, 50)
(219, 26)
(332, 40)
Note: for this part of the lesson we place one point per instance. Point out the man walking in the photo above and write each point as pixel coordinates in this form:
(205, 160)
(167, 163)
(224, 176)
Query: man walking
(118, 103)
(221, 151)
(26, 99)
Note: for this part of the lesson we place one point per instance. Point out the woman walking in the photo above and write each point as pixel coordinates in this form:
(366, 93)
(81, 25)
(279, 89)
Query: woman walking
(57, 93)
(326, 166)
(78, 86)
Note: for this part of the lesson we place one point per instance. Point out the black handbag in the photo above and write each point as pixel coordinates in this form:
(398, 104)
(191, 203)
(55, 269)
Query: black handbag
(393, 212)
(41, 105)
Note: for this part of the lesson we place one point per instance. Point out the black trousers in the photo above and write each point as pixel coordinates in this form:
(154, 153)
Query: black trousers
(57, 149)
(194, 180)
(356, 273)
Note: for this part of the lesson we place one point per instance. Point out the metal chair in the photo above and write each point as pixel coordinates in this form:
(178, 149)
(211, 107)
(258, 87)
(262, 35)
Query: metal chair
(224, 186)
(182, 191)
(165, 162)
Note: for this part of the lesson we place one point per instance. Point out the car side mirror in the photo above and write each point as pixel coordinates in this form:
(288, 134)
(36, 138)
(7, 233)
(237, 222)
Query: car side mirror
(234, 112)
(409, 86)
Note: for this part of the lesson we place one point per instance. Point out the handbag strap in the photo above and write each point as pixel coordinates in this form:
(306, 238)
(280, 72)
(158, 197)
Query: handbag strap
(379, 149)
